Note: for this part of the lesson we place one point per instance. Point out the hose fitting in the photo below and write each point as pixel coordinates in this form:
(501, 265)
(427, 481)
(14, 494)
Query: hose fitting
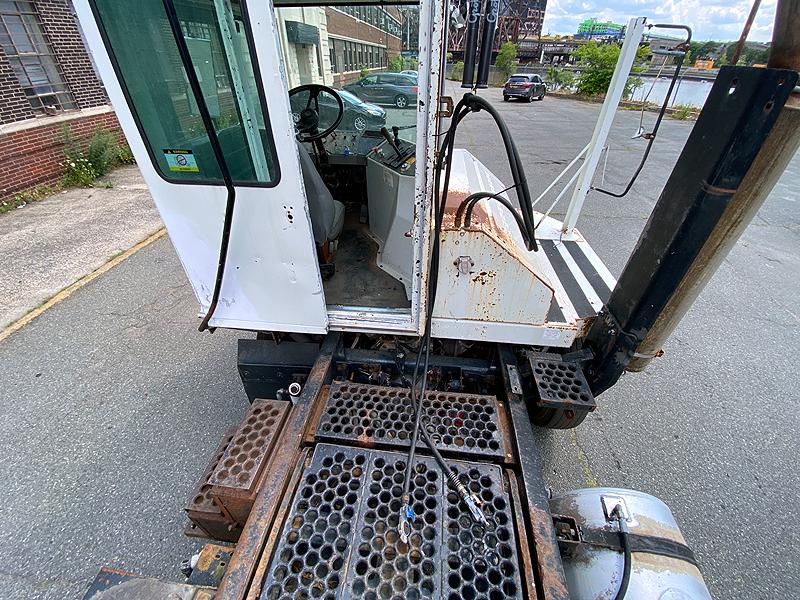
(407, 516)
(472, 501)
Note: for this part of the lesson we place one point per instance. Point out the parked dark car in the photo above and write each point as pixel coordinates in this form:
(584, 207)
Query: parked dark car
(386, 88)
(358, 115)
(526, 87)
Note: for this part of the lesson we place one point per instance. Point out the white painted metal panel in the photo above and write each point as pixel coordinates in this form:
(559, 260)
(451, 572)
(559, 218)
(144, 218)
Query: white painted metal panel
(272, 279)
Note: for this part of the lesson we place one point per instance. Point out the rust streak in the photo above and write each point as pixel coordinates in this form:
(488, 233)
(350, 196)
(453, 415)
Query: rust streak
(548, 558)
(527, 571)
(719, 191)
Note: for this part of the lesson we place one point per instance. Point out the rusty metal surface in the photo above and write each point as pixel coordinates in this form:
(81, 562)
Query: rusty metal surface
(211, 565)
(248, 452)
(372, 415)
(258, 578)
(340, 537)
(112, 584)
(785, 48)
(527, 569)
(551, 582)
(235, 479)
(245, 560)
(201, 500)
(207, 518)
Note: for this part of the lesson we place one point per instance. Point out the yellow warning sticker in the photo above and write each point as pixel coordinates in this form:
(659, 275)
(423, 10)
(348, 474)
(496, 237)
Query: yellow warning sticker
(181, 160)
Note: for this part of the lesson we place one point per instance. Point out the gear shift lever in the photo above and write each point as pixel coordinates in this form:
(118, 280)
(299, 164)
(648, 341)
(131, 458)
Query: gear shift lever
(387, 136)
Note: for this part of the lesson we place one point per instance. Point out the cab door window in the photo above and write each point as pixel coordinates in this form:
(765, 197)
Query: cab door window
(154, 78)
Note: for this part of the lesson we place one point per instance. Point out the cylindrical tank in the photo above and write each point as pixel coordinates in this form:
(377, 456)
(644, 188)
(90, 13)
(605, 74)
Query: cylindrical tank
(595, 572)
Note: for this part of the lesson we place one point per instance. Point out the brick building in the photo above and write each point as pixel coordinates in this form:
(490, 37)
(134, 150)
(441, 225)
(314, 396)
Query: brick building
(361, 37)
(47, 83)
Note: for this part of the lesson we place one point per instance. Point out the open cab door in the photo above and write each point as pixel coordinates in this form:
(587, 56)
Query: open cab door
(198, 88)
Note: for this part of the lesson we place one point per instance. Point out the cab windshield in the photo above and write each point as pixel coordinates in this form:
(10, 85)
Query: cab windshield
(366, 54)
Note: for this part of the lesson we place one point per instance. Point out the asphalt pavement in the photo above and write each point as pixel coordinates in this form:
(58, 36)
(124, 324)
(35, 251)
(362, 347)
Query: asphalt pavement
(113, 401)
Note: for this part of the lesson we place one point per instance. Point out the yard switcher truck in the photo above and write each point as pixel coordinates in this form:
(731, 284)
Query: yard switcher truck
(415, 317)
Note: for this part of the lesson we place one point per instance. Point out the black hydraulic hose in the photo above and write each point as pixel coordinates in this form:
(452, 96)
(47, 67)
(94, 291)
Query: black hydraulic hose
(438, 209)
(515, 164)
(469, 204)
(652, 135)
(626, 555)
(216, 148)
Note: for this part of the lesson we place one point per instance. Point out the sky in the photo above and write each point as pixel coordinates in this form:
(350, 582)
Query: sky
(720, 20)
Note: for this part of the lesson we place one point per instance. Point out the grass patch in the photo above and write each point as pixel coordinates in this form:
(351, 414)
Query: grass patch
(86, 162)
(26, 197)
(682, 112)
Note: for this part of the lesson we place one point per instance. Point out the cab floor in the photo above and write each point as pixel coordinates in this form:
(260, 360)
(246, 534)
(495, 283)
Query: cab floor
(358, 280)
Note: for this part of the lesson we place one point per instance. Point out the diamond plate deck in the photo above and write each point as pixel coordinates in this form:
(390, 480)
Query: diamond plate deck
(377, 416)
(340, 540)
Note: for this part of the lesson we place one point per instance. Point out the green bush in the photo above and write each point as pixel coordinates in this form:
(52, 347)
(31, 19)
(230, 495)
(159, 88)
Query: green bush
(682, 111)
(397, 64)
(79, 172)
(101, 153)
(364, 72)
(559, 78)
(506, 59)
(631, 85)
(597, 63)
(124, 155)
(457, 72)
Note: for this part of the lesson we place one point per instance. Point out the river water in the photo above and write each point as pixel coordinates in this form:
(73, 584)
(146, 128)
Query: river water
(691, 92)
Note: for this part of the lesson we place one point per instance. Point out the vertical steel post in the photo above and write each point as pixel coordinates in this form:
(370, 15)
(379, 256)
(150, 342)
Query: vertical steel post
(490, 21)
(721, 177)
(627, 55)
(471, 43)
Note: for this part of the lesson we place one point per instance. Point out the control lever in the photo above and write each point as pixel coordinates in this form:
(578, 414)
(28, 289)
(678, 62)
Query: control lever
(396, 133)
(387, 136)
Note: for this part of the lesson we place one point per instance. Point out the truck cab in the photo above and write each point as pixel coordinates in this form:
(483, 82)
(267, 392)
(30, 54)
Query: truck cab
(328, 228)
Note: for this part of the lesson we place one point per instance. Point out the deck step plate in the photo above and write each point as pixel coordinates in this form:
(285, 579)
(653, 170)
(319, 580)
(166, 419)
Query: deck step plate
(340, 537)
(377, 416)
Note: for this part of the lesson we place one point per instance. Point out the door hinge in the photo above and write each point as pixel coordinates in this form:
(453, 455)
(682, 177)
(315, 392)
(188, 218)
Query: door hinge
(445, 107)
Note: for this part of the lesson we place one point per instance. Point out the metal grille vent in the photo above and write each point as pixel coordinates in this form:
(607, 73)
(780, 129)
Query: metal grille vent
(241, 464)
(384, 566)
(319, 554)
(561, 383)
(375, 415)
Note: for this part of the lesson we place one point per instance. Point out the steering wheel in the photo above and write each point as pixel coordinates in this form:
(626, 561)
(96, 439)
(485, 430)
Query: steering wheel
(307, 121)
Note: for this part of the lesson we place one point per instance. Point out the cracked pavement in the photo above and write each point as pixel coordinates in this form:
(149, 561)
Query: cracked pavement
(113, 401)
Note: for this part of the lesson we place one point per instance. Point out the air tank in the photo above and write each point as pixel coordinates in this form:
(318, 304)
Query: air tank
(595, 572)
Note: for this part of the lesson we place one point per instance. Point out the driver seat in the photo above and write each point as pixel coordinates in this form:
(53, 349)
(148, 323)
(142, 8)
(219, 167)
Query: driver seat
(327, 214)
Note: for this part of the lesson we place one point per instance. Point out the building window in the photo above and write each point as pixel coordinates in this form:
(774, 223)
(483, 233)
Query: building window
(25, 44)
(332, 50)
